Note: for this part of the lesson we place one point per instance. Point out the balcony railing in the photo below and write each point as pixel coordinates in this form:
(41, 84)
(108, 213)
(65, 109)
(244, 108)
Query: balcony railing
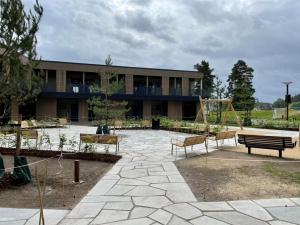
(175, 91)
(78, 88)
(48, 88)
(143, 91)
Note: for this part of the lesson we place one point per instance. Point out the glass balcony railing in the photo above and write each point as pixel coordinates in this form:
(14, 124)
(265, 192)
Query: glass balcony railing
(48, 88)
(175, 91)
(144, 91)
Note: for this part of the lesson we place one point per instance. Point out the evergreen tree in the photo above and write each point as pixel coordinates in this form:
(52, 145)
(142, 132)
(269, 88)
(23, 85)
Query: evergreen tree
(208, 78)
(279, 103)
(103, 107)
(241, 90)
(18, 28)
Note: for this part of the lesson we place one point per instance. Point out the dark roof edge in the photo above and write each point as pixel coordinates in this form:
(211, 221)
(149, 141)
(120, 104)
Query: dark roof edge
(129, 67)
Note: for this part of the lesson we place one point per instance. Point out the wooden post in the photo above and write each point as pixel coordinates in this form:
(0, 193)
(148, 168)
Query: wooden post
(76, 171)
(299, 137)
(18, 137)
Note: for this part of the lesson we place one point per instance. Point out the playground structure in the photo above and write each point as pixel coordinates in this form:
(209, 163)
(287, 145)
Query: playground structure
(205, 110)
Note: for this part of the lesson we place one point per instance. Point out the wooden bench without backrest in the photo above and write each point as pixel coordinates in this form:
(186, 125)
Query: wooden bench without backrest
(99, 139)
(266, 142)
(190, 141)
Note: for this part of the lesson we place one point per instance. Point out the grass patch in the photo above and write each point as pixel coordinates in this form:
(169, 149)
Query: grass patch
(281, 173)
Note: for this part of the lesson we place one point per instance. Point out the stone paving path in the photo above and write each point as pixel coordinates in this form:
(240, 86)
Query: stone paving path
(145, 188)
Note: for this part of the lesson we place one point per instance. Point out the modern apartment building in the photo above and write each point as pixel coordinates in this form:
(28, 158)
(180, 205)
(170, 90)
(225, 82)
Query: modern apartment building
(149, 91)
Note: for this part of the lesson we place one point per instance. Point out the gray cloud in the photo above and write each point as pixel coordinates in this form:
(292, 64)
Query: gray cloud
(177, 34)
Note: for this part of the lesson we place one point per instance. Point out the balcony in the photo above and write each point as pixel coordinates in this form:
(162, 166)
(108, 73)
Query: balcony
(79, 88)
(147, 91)
(175, 91)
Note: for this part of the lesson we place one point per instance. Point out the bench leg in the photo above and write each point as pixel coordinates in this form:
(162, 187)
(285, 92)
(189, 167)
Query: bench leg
(280, 153)
(235, 141)
(172, 150)
(249, 150)
(206, 147)
(217, 144)
(185, 152)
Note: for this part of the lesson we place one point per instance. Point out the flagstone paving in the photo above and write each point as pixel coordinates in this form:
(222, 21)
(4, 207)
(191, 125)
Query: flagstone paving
(145, 187)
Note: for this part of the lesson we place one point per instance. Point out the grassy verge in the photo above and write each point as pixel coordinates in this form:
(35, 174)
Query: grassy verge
(276, 171)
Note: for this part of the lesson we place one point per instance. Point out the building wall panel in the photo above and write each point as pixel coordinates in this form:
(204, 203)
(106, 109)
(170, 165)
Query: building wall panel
(175, 110)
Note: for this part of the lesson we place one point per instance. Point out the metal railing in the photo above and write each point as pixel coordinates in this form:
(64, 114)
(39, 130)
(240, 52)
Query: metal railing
(145, 91)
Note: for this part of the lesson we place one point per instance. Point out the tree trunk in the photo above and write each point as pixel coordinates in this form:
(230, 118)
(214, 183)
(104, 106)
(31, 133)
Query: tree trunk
(18, 138)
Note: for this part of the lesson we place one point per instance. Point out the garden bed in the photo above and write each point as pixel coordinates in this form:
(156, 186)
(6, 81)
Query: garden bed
(61, 192)
(221, 180)
(66, 155)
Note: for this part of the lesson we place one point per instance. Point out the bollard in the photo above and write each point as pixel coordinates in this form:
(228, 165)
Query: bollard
(76, 171)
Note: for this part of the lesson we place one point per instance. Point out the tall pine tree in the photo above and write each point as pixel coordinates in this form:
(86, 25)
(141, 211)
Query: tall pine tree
(241, 90)
(18, 55)
(208, 78)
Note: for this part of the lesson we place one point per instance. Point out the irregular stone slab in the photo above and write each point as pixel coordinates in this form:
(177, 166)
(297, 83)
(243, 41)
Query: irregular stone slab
(135, 173)
(155, 179)
(275, 202)
(111, 177)
(151, 173)
(119, 190)
(205, 220)
(142, 221)
(278, 222)
(169, 166)
(296, 200)
(177, 192)
(102, 187)
(250, 208)
(108, 216)
(145, 191)
(119, 205)
(115, 170)
(9, 214)
(161, 216)
(212, 206)
(152, 201)
(139, 212)
(52, 217)
(176, 178)
(178, 221)
(86, 210)
(133, 182)
(184, 211)
(288, 214)
(19, 222)
(102, 198)
(156, 169)
(235, 218)
(75, 221)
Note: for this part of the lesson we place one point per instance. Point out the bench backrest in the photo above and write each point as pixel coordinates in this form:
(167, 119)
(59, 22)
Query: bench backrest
(24, 124)
(29, 134)
(63, 121)
(267, 141)
(99, 138)
(225, 135)
(194, 140)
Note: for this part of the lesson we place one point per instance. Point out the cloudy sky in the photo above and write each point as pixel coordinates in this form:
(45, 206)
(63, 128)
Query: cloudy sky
(177, 34)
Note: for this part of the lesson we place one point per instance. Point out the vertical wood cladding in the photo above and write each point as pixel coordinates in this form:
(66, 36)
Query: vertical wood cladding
(129, 84)
(185, 86)
(46, 108)
(14, 111)
(165, 85)
(146, 109)
(175, 110)
(83, 110)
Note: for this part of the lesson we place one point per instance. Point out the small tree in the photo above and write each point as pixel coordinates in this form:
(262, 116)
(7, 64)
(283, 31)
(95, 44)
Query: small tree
(103, 107)
(219, 93)
(18, 28)
(208, 78)
(240, 89)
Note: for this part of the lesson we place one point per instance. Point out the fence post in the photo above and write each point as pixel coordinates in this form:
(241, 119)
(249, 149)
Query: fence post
(76, 171)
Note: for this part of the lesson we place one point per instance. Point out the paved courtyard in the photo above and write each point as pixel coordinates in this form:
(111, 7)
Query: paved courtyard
(145, 187)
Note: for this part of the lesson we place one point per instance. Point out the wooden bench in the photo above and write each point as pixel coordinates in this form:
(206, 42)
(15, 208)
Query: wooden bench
(221, 136)
(189, 141)
(30, 134)
(100, 139)
(266, 142)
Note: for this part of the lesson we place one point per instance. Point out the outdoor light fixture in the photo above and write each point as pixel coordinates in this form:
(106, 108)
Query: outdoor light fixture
(288, 98)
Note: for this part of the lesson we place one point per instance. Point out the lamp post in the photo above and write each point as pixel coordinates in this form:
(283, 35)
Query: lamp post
(287, 98)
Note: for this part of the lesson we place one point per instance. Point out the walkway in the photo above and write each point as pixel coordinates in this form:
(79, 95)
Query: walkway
(145, 188)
